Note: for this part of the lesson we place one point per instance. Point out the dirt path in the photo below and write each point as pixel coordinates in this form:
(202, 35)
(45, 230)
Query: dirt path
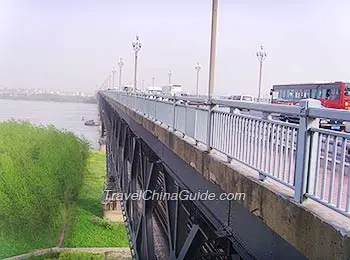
(119, 253)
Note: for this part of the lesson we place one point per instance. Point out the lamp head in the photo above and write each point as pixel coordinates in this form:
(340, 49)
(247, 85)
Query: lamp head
(261, 53)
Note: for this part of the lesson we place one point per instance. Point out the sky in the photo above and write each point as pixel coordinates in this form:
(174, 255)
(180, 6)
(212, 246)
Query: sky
(73, 45)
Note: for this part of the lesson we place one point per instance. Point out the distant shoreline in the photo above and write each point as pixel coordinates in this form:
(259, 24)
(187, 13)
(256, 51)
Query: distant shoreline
(68, 99)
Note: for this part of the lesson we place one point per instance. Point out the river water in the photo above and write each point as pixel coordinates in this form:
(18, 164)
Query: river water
(62, 115)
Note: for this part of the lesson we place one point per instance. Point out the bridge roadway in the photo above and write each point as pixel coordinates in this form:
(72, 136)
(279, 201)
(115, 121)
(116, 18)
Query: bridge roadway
(263, 236)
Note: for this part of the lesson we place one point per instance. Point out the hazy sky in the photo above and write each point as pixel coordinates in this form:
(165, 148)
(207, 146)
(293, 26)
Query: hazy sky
(73, 44)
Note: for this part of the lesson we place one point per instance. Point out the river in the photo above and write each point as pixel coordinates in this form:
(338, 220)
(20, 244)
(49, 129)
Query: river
(62, 115)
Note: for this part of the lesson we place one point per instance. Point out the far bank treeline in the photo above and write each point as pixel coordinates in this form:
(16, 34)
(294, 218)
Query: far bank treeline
(52, 97)
(41, 173)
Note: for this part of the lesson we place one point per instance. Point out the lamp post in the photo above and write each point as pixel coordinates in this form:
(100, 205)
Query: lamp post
(113, 77)
(214, 16)
(105, 83)
(120, 64)
(153, 78)
(136, 45)
(143, 85)
(261, 54)
(197, 68)
(109, 80)
(170, 74)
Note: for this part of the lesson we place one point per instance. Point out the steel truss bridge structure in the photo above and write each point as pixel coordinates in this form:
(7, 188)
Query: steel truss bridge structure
(176, 229)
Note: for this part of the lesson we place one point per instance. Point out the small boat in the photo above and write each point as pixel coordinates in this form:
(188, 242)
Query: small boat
(91, 123)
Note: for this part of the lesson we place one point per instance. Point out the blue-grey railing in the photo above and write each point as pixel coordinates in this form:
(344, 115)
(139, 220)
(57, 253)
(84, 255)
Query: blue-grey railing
(314, 162)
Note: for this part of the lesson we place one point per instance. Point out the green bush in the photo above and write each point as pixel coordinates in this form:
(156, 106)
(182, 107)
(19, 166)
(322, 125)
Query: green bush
(41, 173)
(106, 224)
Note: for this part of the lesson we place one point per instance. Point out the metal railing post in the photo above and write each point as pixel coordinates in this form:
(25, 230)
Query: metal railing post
(155, 109)
(136, 103)
(209, 123)
(266, 116)
(143, 105)
(305, 150)
(174, 110)
(195, 126)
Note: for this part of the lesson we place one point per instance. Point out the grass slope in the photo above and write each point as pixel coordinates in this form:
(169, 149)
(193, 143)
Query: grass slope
(83, 232)
(41, 173)
(44, 179)
(69, 256)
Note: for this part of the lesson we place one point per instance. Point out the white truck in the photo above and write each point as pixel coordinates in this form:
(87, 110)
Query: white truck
(154, 90)
(172, 90)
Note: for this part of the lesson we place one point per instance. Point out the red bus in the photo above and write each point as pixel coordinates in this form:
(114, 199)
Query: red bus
(332, 95)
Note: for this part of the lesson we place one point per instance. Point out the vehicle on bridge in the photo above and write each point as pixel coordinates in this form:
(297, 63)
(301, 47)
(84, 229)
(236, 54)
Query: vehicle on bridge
(246, 98)
(154, 90)
(183, 94)
(332, 95)
(128, 88)
(172, 90)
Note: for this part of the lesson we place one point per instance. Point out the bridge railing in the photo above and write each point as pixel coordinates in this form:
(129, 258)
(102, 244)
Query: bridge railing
(314, 162)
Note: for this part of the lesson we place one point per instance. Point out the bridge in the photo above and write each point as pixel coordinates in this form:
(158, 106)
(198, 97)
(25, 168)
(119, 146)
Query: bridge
(288, 183)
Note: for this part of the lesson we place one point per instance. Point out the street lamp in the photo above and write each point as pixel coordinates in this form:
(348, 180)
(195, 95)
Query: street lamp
(197, 68)
(109, 80)
(261, 54)
(170, 74)
(136, 45)
(113, 76)
(104, 84)
(153, 78)
(120, 64)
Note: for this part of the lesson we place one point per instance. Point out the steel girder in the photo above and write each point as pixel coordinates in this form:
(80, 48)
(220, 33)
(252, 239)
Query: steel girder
(175, 229)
